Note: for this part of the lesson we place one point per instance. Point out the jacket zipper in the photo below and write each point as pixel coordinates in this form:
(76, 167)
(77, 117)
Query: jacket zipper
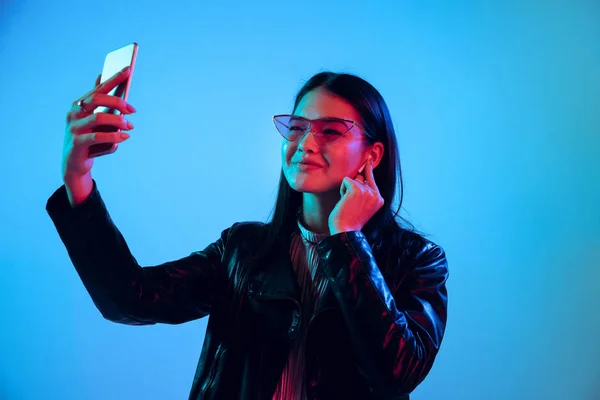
(311, 391)
(211, 373)
(295, 324)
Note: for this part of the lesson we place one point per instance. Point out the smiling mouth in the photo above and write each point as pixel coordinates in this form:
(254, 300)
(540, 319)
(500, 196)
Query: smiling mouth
(307, 167)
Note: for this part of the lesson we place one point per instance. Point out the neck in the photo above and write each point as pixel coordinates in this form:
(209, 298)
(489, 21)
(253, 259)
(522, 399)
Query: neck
(316, 209)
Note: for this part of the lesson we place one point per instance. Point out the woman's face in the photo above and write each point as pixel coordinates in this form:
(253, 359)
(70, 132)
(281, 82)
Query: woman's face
(337, 159)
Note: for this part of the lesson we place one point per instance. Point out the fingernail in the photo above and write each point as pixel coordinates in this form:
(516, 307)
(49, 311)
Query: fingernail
(129, 125)
(125, 136)
(130, 108)
(125, 69)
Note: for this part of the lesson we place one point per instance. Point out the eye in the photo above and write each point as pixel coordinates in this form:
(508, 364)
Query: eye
(297, 125)
(330, 131)
(333, 128)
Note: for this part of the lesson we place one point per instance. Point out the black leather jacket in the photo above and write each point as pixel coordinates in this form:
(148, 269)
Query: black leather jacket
(373, 335)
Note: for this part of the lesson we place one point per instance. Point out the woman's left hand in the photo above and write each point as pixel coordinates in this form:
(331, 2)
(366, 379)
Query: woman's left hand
(359, 202)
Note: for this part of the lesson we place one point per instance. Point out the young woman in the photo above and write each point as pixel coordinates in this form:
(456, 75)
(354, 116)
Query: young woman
(335, 298)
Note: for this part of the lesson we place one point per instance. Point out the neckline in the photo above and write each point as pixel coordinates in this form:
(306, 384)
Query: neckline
(306, 234)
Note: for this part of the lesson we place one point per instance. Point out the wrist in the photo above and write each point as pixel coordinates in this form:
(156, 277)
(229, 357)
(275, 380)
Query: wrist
(339, 229)
(78, 187)
(70, 178)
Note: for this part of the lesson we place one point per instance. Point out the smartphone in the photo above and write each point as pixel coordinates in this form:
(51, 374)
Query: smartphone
(115, 61)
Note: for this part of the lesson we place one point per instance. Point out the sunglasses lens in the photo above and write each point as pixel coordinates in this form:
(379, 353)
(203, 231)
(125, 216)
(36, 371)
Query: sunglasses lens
(291, 128)
(328, 131)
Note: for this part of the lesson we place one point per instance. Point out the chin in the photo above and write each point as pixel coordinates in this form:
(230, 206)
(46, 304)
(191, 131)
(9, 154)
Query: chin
(304, 187)
(301, 185)
(308, 184)
(311, 187)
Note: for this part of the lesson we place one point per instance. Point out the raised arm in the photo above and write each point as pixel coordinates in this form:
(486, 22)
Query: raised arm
(172, 293)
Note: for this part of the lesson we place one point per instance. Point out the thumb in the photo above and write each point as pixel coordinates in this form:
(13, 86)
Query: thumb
(345, 186)
(98, 80)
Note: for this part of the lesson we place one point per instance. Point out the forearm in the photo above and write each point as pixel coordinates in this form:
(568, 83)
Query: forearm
(388, 352)
(97, 249)
(172, 292)
(107, 269)
(395, 348)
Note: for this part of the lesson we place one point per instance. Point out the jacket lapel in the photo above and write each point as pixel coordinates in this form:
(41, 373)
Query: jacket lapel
(275, 279)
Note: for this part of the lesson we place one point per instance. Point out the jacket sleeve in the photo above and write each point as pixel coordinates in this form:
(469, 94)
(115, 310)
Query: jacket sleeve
(172, 293)
(395, 333)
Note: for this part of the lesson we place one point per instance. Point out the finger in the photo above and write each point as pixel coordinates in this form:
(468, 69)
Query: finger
(114, 102)
(345, 186)
(89, 139)
(109, 85)
(76, 112)
(89, 104)
(369, 177)
(91, 122)
(98, 80)
(113, 81)
(361, 169)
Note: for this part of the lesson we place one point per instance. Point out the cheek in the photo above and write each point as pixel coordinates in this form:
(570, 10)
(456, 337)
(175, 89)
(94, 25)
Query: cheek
(287, 151)
(341, 162)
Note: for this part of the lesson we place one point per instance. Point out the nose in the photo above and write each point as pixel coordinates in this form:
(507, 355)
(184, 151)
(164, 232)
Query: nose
(308, 141)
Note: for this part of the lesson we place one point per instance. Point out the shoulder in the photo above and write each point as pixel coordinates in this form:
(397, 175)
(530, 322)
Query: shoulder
(246, 233)
(416, 246)
(247, 228)
(240, 241)
(426, 260)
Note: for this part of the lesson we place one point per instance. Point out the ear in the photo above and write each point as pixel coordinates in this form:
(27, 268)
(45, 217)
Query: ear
(376, 153)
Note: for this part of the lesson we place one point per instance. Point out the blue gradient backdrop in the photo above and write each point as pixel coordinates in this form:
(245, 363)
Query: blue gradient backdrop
(496, 106)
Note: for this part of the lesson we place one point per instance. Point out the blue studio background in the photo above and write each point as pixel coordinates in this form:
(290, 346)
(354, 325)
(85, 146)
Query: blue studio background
(496, 110)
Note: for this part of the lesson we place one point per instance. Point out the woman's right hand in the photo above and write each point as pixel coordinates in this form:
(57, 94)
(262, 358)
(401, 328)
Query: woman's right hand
(81, 122)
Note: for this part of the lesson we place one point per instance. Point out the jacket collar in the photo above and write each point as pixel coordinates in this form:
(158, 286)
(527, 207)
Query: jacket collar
(276, 280)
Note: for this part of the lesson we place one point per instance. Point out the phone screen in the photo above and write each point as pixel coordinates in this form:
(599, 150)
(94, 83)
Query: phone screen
(114, 62)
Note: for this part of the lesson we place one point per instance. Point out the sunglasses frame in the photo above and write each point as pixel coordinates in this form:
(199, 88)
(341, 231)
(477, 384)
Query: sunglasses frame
(310, 121)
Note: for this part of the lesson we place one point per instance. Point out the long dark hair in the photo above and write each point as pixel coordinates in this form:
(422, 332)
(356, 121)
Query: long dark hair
(386, 224)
